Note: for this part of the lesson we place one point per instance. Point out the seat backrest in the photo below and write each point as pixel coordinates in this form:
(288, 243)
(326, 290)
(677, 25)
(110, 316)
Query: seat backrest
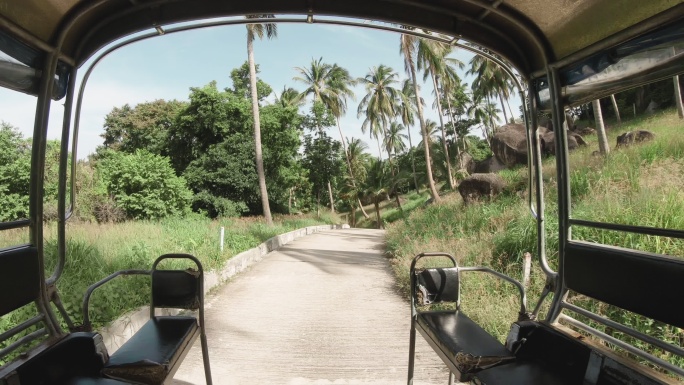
(437, 285)
(647, 284)
(20, 291)
(179, 289)
(19, 278)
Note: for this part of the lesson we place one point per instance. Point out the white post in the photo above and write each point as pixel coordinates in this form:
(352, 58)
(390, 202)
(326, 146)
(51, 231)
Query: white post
(223, 229)
(526, 270)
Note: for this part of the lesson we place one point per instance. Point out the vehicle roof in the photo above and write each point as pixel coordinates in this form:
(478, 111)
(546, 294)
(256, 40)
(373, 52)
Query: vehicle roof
(528, 33)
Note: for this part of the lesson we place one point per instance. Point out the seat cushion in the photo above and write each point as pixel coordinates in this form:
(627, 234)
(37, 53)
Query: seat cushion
(80, 354)
(463, 343)
(152, 353)
(523, 372)
(94, 381)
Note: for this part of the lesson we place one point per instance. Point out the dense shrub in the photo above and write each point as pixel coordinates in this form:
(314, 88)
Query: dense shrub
(144, 185)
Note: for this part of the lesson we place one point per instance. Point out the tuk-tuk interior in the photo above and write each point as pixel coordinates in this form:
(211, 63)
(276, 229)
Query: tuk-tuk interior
(562, 54)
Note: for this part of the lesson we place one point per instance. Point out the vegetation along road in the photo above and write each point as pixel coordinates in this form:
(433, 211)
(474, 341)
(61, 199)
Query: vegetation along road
(324, 309)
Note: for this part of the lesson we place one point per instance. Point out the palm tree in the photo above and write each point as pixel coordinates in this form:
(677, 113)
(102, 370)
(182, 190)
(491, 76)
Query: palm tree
(394, 141)
(486, 114)
(358, 157)
(372, 124)
(432, 57)
(379, 104)
(375, 186)
(315, 78)
(452, 90)
(289, 98)
(406, 110)
(330, 85)
(407, 48)
(254, 31)
(491, 80)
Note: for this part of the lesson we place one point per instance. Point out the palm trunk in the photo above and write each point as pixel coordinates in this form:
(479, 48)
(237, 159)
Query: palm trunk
(503, 108)
(396, 198)
(257, 134)
(363, 211)
(377, 139)
(678, 97)
(413, 162)
(332, 202)
(510, 109)
(346, 153)
(600, 128)
(318, 204)
(428, 166)
(490, 132)
(615, 107)
(450, 178)
(377, 212)
(389, 151)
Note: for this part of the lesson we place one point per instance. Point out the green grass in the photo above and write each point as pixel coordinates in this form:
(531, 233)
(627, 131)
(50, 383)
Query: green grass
(638, 185)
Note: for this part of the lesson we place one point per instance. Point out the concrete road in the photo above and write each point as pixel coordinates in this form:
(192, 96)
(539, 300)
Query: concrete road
(323, 309)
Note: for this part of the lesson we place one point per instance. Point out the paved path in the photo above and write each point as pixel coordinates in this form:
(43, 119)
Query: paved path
(323, 309)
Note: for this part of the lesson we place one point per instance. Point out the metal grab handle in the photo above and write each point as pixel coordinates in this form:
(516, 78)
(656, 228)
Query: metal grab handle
(504, 277)
(86, 299)
(432, 254)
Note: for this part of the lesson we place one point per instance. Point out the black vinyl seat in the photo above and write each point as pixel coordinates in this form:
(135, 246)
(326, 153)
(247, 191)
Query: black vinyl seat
(463, 345)
(146, 357)
(523, 372)
(462, 340)
(94, 381)
(153, 354)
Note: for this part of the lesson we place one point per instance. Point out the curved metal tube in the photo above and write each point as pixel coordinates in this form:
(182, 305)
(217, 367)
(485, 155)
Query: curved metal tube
(521, 289)
(86, 299)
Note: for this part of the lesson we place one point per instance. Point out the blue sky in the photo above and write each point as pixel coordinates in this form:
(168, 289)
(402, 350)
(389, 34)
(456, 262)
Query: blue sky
(167, 66)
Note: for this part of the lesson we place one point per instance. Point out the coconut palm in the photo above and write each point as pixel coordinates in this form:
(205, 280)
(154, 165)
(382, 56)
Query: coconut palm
(376, 186)
(358, 157)
(451, 90)
(394, 141)
(491, 80)
(479, 111)
(432, 58)
(379, 105)
(258, 31)
(407, 48)
(330, 85)
(289, 97)
(406, 111)
(372, 124)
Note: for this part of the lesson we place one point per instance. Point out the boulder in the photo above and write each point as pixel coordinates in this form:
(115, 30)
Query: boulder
(491, 164)
(632, 137)
(478, 186)
(509, 144)
(584, 131)
(548, 142)
(466, 163)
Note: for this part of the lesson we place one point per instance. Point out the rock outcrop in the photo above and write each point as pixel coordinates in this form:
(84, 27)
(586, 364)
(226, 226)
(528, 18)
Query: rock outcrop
(479, 186)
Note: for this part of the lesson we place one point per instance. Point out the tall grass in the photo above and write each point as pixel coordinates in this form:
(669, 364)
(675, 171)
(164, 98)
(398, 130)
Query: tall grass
(638, 185)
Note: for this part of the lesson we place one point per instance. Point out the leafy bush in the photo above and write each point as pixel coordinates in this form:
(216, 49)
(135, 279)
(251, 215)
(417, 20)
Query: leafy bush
(217, 206)
(145, 185)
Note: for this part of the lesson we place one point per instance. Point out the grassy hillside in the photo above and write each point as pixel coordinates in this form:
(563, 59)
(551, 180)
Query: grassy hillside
(641, 184)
